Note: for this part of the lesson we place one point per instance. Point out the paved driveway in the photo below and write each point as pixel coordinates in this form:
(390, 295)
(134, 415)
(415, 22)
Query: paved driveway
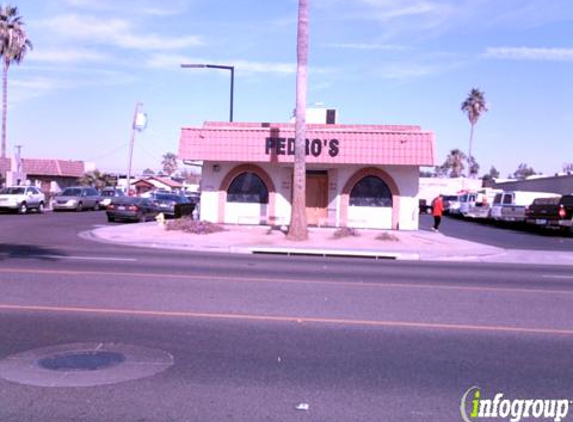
(500, 236)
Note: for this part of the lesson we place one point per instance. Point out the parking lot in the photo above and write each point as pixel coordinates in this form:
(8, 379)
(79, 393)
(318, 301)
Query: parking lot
(500, 235)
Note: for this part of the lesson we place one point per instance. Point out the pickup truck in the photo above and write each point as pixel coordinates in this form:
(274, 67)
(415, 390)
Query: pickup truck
(551, 213)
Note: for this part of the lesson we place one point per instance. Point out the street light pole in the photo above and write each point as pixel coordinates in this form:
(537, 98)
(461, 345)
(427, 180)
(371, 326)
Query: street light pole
(218, 66)
(139, 123)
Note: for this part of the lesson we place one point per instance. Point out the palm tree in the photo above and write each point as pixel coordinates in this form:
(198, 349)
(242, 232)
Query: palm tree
(454, 164)
(298, 223)
(97, 179)
(169, 163)
(474, 106)
(14, 45)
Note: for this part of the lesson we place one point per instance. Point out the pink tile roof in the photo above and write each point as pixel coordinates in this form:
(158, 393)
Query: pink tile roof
(331, 144)
(48, 167)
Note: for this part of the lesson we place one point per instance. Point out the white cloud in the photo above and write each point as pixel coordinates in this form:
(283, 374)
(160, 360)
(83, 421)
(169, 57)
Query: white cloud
(66, 55)
(530, 53)
(139, 7)
(116, 32)
(173, 61)
(368, 46)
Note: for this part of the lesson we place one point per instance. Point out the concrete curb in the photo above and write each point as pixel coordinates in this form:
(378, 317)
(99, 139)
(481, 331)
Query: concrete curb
(414, 246)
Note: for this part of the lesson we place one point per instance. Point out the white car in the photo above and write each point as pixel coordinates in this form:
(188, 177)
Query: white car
(22, 199)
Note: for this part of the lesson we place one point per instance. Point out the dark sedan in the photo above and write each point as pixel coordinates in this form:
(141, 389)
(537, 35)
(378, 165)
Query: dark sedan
(173, 205)
(131, 208)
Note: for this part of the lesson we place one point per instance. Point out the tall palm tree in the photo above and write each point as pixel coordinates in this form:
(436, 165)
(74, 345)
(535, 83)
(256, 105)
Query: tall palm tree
(474, 106)
(298, 223)
(14, 44)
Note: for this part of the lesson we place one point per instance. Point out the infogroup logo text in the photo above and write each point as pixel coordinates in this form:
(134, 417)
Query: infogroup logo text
(473, 407)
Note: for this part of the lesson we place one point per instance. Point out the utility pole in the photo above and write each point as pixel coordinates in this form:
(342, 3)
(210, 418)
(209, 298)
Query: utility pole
(18, 158)
(138, 124)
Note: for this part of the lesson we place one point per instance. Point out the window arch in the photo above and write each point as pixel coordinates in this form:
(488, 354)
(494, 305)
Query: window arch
(248, 187)
(371, 191)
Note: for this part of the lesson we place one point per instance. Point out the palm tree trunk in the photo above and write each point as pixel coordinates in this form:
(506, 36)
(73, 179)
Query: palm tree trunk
(298, 222)
(4, 106)
(468, 158)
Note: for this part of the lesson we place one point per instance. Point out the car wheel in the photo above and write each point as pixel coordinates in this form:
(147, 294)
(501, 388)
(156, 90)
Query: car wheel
(110, 219)
(80, 207)
(141, 218)
(23, 209)
(96, 206)
(41, 208)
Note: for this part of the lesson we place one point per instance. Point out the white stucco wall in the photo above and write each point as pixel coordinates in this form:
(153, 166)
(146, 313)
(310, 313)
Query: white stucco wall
(406, 178)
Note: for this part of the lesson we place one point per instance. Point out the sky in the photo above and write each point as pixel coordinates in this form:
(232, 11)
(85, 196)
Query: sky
(375, 61)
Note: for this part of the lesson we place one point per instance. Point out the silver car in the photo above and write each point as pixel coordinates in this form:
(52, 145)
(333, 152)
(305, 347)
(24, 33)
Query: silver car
(77, 198)
(22, 199)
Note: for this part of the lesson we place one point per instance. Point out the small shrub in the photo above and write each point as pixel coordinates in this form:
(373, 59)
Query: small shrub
(345, 232)
(189, 225)
(388, 237)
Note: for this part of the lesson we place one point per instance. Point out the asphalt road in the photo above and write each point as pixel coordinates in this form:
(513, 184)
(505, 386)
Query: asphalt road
(253, 337)
(504, 236)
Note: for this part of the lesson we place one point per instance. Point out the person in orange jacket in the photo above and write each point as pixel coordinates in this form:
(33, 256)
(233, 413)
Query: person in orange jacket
(437, 211)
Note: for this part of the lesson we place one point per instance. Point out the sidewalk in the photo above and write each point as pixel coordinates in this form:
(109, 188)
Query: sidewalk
(403, 245)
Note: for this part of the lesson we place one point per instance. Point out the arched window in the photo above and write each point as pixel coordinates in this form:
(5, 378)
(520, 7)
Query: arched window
(371, 191)
(248, 187)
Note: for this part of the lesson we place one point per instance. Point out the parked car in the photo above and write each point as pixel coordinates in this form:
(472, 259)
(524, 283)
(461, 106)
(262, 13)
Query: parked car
(172, 205)
(131, 208)
(22, 199)
(509, 206)
(107, 194)
(556, 212)
(77, 198)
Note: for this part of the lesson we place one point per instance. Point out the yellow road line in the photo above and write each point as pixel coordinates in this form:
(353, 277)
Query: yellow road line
(380, 285)
(289, 319)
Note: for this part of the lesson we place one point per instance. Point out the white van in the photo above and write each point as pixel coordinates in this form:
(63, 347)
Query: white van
(510, 205)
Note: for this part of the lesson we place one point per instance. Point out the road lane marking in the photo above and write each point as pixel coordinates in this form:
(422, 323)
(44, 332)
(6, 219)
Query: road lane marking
(289, 319)
(358, 284)
(87, 258)
(561, 277)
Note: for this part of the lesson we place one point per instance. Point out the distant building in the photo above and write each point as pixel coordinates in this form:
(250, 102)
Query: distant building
(50, 175)
(151, 183)
(363, 176)
(560, 183)
(430, 187)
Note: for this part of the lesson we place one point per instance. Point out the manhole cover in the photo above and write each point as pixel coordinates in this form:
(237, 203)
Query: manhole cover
(83, 364)
(85, 361)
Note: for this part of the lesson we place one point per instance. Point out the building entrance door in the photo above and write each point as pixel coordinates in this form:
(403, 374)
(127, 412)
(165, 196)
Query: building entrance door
(316, 198)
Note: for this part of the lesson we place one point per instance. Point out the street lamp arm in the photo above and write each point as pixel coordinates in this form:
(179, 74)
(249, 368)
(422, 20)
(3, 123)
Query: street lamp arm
(217, 66)
(208, 66)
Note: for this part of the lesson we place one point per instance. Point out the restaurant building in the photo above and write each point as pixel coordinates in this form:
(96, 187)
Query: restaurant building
(360, 176)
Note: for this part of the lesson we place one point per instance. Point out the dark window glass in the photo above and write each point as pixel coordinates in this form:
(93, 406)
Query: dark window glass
(71, 192)
(249, 188)
(508, 199)
(567, 200)
(371, 191)
(497, 199)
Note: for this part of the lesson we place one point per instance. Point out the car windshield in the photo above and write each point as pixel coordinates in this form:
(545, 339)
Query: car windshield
(111, 193)
(170, 197)
(13, 191)
(71, 192)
